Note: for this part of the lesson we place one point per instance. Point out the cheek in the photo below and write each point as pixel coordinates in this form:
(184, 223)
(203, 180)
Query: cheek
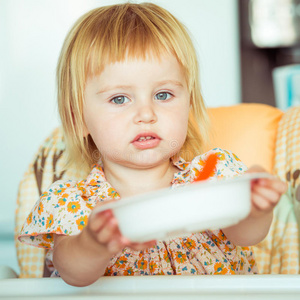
(107, 136)
(95, 122)
(95, 128)
(183, 123)
(182, 117)
(179, 124)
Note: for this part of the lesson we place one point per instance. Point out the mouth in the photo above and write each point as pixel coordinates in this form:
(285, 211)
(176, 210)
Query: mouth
(146, 140)
(145, 137)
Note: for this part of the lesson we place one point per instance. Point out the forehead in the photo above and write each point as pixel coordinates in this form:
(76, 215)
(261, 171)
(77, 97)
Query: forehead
(98, 60)
(139, 71)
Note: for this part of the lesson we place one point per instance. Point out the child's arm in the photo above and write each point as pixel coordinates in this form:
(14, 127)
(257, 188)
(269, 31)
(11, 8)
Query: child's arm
(265, 195)
(83, 258)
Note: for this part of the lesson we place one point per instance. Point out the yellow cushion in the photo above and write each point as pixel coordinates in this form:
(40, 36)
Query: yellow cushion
(249, 130)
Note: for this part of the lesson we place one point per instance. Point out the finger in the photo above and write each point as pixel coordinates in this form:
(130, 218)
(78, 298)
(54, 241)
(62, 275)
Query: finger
(115, 246)
(261, 203)
(97, 221)
(142, 246)
(267, 193)
(273, 183)
(256, 169)
(136, 247)
(108, 232)
(150, 244)
(112, 238)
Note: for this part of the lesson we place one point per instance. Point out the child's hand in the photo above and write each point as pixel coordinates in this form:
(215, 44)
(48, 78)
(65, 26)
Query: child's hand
(266, 193)
(104, 229)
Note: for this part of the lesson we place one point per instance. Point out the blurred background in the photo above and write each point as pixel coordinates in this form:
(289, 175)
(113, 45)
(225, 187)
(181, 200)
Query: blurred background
(239, 43)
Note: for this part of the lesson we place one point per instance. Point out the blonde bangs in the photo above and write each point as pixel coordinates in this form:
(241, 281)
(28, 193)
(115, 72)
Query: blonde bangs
(114, 33)
(131, 31)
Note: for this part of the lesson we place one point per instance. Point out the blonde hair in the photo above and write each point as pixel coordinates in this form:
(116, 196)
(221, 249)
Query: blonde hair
(112, 33)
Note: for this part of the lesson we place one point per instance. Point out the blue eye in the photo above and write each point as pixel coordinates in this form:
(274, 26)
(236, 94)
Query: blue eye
(120, 100)
(163, 96)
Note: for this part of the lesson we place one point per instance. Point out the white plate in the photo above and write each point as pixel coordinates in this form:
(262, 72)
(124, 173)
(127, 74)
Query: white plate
(180, 211)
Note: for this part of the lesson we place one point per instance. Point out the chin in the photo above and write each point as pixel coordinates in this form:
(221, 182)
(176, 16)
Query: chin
(148, 160)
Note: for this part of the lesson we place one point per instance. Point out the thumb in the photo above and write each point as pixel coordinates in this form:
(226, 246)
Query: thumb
(256, 169)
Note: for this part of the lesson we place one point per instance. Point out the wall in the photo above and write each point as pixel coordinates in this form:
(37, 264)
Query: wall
(32, 33)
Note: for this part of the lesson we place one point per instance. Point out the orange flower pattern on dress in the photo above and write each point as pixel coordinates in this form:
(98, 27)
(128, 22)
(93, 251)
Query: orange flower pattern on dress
(142, 264)
(220, 269)
(65, 207)
(121, 262)
(153, 267)
(81, 222)
(129, 272)
(40, 208)
(190, 244)
(180, 257)
(63, 199)
(44, 195)
(29, 219)
(49, 221)
(112, 193)
(45, 245)
(48, 237)
(73, 207)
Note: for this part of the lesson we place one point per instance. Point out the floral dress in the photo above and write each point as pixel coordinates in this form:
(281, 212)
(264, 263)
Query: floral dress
(65, 207)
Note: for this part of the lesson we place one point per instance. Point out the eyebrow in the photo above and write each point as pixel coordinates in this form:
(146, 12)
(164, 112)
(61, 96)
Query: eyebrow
(159, 83)
(174, 82)
(113, 87)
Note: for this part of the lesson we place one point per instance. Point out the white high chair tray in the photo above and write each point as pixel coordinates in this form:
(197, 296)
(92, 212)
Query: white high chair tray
(169, 213)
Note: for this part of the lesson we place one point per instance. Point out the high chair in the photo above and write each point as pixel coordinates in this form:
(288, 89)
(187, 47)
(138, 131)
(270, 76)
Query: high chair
(258, 134)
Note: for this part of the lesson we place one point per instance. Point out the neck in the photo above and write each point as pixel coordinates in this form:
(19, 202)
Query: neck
(129, 182)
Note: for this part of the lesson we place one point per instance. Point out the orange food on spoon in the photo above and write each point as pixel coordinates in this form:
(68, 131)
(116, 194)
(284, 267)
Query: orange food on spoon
(208, 168)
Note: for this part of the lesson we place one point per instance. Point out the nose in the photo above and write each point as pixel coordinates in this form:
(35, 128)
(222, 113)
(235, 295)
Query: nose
(145, 113)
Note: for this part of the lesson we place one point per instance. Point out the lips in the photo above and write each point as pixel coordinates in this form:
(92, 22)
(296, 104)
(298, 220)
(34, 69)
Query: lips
(146, 140)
